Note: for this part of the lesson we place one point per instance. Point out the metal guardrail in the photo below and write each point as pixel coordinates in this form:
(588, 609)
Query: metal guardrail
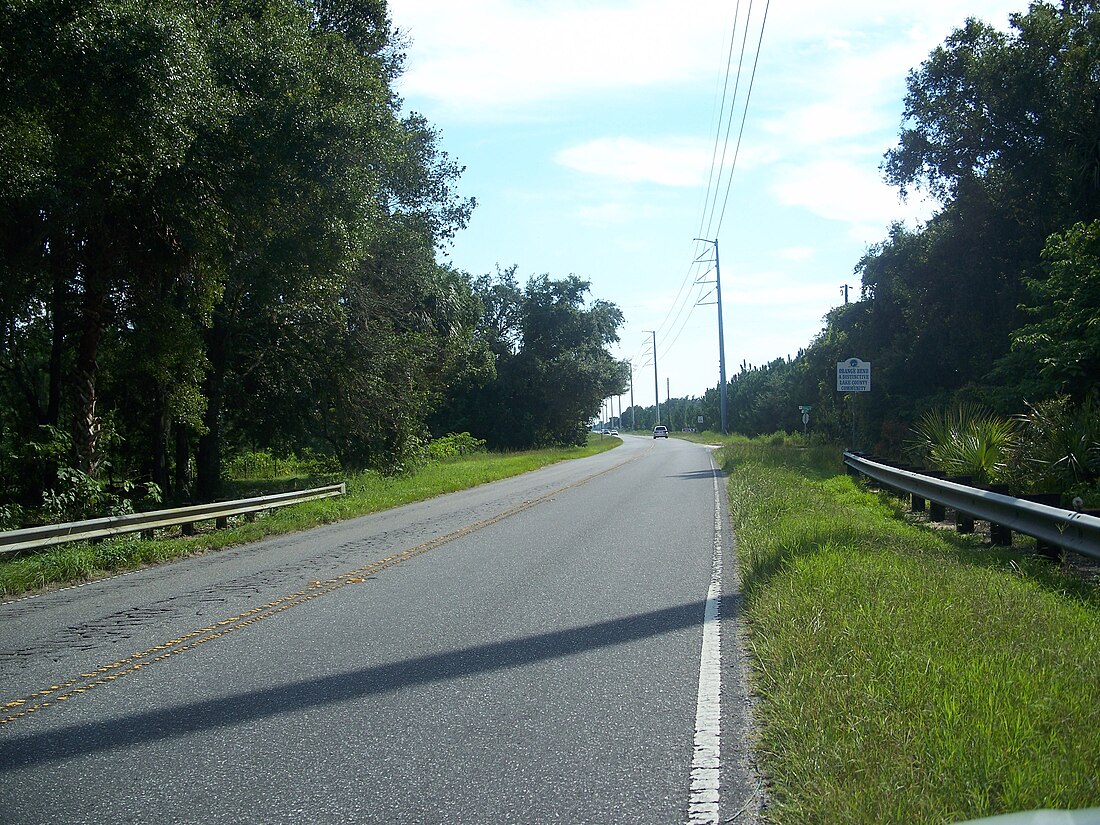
(1063, 528)
(39, 538)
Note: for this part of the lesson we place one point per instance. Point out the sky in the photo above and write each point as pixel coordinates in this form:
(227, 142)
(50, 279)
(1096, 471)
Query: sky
(601, 137)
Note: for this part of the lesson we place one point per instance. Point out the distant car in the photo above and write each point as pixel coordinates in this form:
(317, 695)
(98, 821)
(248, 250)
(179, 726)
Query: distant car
(606, 432)
(613, 432)
(660, 431)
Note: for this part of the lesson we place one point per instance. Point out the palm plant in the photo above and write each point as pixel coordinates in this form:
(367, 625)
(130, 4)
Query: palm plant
(966, 440)
(1060, 444)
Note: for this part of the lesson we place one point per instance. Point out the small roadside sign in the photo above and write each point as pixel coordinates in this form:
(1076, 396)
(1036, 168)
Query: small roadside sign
(853, 375)
(804, 408)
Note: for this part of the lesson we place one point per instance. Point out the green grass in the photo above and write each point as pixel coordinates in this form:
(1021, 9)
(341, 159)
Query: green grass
(905, 675)
(366, 493)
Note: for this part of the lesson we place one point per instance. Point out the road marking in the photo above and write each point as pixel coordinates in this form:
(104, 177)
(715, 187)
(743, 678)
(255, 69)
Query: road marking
(706, 762)
(24, 706)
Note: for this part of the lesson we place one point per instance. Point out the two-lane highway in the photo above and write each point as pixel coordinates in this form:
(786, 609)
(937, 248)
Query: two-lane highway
(557, 647)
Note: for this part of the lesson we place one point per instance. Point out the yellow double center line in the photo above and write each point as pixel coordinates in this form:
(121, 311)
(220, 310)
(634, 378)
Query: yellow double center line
(105, 674)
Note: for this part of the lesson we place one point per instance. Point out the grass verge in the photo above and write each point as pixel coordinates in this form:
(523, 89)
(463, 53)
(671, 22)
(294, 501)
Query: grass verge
(366, 493)
(905, 675)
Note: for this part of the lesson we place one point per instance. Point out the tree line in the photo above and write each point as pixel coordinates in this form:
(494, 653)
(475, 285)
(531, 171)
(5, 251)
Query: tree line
(220, 232)
(993, 302)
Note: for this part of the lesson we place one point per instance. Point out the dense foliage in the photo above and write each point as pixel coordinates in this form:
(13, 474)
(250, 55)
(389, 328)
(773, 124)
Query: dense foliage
(219, 235)
(551, 366)
(995, 300)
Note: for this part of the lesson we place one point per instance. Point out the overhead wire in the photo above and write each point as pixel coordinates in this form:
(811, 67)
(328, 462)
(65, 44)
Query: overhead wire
(687, 301)
(710, 201)
(744, 117)
(707, 217)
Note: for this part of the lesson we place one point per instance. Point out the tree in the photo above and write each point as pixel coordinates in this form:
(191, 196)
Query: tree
(1013, 113)
(1064, 340)
(332, 289)
(552, 368)
(218, 228)
(102, 101)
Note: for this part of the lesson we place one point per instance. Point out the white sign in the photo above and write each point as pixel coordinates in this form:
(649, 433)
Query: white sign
(853, 375)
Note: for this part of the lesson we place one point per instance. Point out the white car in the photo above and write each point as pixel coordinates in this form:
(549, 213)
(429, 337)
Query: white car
(660, 431)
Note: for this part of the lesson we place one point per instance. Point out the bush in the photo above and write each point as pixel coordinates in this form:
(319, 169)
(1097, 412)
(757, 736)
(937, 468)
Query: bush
(11, 516)
(1060, 448)
(967, 440)
(78, 496)
(250, 465)
(454, 445)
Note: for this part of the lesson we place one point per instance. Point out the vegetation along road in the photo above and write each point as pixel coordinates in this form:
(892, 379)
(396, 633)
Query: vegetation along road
(525, 651)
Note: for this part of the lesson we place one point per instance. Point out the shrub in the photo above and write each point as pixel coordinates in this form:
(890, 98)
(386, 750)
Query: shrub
(453, 446)
(967, 440)
(1059, 449)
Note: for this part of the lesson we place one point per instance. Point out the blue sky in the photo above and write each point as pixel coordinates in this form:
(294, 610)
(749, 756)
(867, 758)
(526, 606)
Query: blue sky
(589, 132)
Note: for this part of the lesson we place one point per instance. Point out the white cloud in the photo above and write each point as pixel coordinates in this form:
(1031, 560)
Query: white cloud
(671, 162)
(846, 191)
(490, 57)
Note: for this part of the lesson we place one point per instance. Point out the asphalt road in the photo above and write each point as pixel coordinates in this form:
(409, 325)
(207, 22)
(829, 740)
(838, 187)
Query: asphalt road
(529, 651)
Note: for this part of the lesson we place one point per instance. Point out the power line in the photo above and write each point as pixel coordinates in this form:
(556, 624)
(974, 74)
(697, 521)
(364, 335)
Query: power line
(682, 301)
(744, 116)
(721, 112)
(687, 297)
(712, 195)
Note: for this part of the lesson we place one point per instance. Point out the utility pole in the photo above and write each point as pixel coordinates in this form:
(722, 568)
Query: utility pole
(656, 390)
(633, 412)
(844, 289)
(721, 335)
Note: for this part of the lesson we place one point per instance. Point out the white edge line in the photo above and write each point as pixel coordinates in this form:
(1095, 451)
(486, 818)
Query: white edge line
(706, 761)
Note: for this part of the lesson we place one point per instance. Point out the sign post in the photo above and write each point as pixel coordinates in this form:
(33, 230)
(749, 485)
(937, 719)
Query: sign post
(805, 410)
(852, 376)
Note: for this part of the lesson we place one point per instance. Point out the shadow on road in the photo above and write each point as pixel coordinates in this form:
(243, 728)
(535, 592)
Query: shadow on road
(169, 723)
(699, 474)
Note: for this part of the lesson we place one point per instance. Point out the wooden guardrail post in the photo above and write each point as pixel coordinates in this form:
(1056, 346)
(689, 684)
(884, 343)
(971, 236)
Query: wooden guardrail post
(1045, 548)
(999, 534)
(964, 522)
(936, 511)
(916, 500)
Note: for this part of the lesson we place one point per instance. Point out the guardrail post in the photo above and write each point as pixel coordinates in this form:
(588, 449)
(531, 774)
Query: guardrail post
(999, 535)
(852, 471)
(964, 522)
(916, 500)
(1044, 548)
(221, 522)
(188, 528)
(936, 511)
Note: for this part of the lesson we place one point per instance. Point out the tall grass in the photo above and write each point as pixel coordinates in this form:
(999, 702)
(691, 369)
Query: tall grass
(905, 676)
(366, 493)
